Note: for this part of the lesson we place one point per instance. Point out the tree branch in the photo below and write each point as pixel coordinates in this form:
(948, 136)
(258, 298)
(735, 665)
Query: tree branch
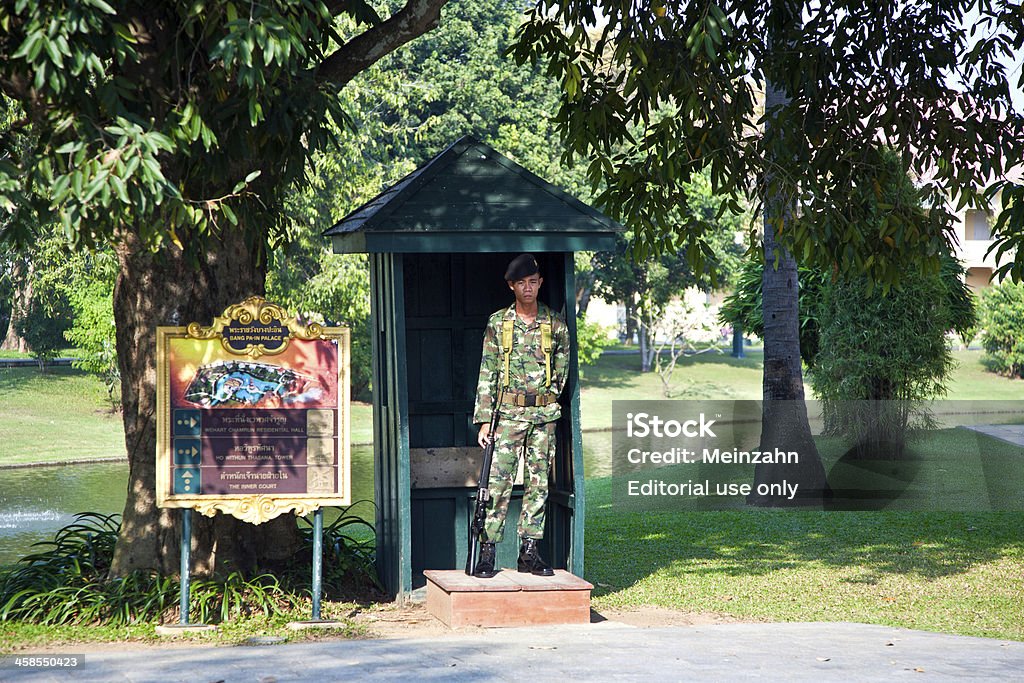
(336, 7)
(412, 21)
(19, 87)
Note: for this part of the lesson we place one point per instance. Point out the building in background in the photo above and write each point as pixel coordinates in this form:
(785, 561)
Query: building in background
(974, 237)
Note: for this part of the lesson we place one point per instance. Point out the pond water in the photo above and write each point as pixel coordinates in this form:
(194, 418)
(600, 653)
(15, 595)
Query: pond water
(37, 501)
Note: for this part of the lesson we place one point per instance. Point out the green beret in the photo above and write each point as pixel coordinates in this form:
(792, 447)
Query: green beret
(521, 266)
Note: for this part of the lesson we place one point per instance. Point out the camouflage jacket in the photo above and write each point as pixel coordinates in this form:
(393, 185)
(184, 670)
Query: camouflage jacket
(526, 366)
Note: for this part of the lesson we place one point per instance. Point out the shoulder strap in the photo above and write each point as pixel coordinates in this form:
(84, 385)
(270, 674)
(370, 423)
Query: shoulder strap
(507, 326)
(545, 345)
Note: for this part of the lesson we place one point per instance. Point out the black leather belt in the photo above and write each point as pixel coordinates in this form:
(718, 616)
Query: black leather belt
(529, 400)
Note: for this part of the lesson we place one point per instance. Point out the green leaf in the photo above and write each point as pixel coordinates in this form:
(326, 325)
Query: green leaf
(30, 47)
(69, 147)
(709, 47)
(102, 6)
(226, 210)
(153, 167)
(53, 53)
(120, 189)
(255, 111)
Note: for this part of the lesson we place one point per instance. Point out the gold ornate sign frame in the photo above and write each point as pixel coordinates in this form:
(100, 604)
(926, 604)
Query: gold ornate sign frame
(257, 314)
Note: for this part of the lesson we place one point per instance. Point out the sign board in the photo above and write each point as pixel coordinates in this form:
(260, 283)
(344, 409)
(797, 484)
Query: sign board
(253, 414)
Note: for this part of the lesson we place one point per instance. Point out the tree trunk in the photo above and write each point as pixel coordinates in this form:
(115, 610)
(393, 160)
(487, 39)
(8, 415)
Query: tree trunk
(584, 288)
(737, 338)
(784, 415)
(170, 289)
(646, 353)
(21, 298)
(630, 322)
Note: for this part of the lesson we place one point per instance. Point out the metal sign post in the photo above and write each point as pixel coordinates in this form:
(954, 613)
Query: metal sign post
(186, 563)
(183, 625)
(318, 559)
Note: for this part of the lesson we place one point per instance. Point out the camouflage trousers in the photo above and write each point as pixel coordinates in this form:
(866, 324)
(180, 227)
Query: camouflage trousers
(536, 444)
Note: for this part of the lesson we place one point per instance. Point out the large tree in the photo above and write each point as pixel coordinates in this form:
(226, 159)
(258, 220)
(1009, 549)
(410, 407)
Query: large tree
(173, 132)
(654, 93)
(451, 82)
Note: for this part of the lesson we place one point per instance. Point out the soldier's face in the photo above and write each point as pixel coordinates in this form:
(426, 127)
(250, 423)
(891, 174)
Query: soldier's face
(527, 288)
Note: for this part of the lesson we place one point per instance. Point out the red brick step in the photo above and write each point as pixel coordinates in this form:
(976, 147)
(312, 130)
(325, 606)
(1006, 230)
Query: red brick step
(509, 599)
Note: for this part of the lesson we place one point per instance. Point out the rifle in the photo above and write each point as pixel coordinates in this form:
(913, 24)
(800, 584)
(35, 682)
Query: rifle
(483, 494)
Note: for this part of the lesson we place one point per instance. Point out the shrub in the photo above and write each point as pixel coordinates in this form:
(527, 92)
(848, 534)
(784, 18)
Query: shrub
(67, 583)
(591, 340)
(743, 306)
(1002, 323)
(42, 328)
(881, 355)
(93, 333)
(348, 556)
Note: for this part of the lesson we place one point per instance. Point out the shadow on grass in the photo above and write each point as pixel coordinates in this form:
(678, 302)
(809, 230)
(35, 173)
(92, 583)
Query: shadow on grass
(934, 523)
(624, 548)
(29, 378)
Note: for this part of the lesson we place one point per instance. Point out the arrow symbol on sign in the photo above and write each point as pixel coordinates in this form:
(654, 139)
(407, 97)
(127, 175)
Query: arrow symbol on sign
(192, 422)
(186, 475)
(194, 451)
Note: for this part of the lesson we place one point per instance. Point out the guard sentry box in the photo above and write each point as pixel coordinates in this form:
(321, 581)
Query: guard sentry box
(439, 241)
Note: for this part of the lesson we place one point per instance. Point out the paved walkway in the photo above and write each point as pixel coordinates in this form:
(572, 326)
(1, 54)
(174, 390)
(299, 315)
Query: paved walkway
(32, 362)
(1011, 433)
(603, 651)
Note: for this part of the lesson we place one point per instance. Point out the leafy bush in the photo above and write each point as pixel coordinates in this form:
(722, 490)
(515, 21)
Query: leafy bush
(743, 306)
(873, 355)
(591, 341)
(42, 328)
(348, 556)
(92, 331)
(1002, 323)
(67, 582)
(882, 355)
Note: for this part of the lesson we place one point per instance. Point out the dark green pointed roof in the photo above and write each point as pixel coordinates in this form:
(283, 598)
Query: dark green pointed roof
(470, 198)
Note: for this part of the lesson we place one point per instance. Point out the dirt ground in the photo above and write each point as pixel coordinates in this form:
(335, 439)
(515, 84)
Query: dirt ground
(415, 622)
(390, 621)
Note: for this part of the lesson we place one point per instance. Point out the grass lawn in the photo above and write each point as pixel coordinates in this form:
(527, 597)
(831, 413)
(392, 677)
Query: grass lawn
(719, 375)
(708, 375)
(59, 415)
(957, 573)
(945, 571)
(942, 570)
(972, 382)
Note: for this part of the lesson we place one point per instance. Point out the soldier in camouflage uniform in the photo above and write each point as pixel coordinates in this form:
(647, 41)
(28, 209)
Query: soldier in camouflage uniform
(529, 412)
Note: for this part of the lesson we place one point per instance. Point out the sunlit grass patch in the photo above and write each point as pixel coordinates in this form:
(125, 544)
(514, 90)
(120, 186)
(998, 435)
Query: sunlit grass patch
(952, 572)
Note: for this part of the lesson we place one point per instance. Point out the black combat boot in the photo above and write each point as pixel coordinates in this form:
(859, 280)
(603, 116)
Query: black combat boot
(530, 560)
(485, 565)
